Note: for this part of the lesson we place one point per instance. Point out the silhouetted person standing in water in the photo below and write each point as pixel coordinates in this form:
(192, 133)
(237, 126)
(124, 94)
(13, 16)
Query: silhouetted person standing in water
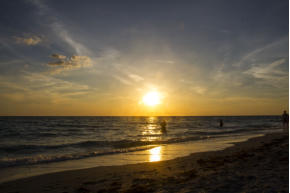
(285, 119)
(163, 125)
(221, 123)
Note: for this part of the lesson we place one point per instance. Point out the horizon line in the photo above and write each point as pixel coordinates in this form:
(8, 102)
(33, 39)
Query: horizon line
(138, 115)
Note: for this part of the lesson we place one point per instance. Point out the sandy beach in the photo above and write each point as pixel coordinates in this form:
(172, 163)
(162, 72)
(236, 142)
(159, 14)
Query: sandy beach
(258, 165)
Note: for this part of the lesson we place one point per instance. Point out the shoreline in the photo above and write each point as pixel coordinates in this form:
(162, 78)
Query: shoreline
(194, 172)
(161, 152)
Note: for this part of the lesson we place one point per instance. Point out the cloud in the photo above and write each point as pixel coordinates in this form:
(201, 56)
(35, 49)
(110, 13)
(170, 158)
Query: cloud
(66, 37)
(199, 90)
(43, 82)
(264, 68)
(122, 80)
(265, 78)
(59, 29)
(136, 77)
(195, 87)
(269, 72)
(58, 56)
(64, 63)
(37, 88)
(165, 61)
(271, 47)
(29, 41)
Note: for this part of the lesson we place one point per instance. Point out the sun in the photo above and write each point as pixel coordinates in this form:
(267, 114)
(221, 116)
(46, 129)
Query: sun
(152, 98)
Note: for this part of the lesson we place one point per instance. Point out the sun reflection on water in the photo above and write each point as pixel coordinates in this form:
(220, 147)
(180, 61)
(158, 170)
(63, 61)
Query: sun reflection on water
(155, 154)
(151, 119)
(151, 130)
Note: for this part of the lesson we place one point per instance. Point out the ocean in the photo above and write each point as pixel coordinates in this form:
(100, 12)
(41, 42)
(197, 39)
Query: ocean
(26, 141)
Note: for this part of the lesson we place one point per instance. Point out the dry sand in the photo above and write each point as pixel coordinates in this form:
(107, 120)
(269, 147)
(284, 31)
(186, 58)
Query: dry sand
(257, 165)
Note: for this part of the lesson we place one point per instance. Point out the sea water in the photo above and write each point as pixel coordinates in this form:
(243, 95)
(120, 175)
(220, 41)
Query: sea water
(35, 140)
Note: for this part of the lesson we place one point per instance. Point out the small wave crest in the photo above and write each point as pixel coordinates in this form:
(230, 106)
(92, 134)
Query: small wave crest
(39, 159)
(92, 144)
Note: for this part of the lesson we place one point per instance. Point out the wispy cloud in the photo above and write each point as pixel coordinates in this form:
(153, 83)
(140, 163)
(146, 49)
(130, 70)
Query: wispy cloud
(253, 54)
(64, 63)
(51, 84)
(123, 80)
(195, 87)
(270, 72)
(199, 90)
(263, 67)
(36, 87)
(136, 77)
(59, 28)
(108, 59)
(79, 48)
(29, 41)
(165, 61)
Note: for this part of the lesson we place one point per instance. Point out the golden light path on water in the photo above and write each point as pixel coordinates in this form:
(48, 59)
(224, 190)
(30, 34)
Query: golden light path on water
(155, 154)
(151, 132)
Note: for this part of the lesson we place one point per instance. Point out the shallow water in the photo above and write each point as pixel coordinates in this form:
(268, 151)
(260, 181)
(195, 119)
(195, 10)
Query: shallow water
(156, 153)
(34, 140)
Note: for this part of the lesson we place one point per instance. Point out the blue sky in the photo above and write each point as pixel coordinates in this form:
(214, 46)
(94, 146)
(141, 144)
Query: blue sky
(100, 57)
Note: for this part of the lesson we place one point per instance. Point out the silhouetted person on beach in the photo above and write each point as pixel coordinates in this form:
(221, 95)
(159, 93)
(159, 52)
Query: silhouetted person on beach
(221, 123)
(285, 119)
(163, 125)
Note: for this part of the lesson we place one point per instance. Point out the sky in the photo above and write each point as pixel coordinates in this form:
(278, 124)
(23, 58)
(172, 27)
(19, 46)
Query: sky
(99, 58)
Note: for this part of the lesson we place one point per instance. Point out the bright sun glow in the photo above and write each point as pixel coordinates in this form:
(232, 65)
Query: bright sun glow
(152, 98)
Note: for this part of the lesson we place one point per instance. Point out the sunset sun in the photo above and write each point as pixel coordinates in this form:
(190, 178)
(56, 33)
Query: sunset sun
(152, 98)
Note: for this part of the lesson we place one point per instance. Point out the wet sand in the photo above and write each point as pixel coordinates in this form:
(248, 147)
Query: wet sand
(258, 165)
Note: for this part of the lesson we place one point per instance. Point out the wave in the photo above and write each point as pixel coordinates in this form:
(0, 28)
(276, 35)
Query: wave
(39, 159)
(223, 131)
(167, 139)
(120, 147)
(96, 145)
(21, 147)
(123, 147)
